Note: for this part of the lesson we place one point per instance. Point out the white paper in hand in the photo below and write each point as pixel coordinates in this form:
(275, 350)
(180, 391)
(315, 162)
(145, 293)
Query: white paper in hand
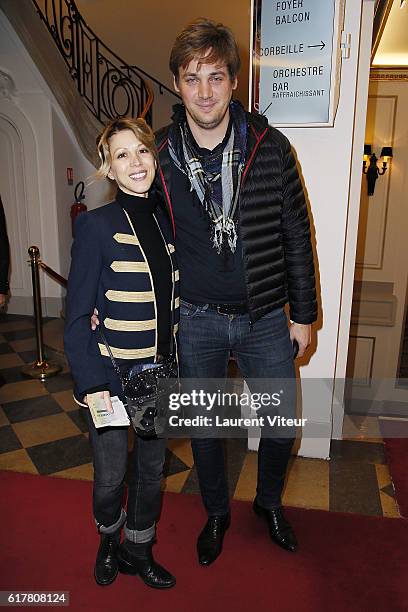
(100, 415)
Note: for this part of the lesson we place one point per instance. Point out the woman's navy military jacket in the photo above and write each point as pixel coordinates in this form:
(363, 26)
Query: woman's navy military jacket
(109, 271)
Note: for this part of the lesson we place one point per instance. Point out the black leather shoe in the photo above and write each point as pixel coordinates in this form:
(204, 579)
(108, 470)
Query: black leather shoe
(209, 543)
(280, 530)
(152, 574)
(106, 564)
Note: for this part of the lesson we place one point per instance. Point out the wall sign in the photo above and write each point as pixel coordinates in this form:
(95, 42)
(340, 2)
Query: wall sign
(296, 60)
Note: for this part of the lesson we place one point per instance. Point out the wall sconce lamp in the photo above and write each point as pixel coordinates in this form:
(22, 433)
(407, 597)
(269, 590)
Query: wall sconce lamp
(371, 170)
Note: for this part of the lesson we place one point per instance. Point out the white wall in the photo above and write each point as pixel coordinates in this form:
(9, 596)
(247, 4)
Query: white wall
(351, 228)
(331, 161)
(68, 155)
(47, 148)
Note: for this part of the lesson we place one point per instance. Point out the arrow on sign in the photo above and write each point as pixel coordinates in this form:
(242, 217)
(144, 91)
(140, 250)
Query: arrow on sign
(322, 46)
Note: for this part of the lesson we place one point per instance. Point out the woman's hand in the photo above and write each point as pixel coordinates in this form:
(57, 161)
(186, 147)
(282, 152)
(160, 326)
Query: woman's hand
(94, 320)
(104, 395)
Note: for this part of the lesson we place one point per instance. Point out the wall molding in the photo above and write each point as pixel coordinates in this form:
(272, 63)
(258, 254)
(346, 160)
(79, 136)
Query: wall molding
(7, 86)
(28, 206)
(374, 303)
(370, 344)
(389, 73)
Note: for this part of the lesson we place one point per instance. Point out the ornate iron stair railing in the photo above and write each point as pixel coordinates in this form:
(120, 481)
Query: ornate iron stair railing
(109, 87)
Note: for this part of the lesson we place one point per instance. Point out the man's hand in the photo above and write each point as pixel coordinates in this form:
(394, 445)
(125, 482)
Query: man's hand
(303, 335)
(3, 299)
(94, 320)
(105, 395)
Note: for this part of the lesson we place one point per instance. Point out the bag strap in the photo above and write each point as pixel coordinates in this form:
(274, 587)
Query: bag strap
(108, 348)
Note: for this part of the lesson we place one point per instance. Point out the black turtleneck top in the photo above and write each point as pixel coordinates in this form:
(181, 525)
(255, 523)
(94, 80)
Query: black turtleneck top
(140, 211)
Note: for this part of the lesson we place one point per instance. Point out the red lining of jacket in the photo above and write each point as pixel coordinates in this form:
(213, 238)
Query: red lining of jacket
(258, 142)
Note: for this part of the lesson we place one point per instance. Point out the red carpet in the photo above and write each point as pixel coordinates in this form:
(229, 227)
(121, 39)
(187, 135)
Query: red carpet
(396, 449)
(346, 562)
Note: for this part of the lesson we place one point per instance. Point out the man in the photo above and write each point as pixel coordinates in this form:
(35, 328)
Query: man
(243, 247)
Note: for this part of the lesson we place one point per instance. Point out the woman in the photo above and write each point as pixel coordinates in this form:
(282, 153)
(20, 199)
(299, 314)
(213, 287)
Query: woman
(123, 262)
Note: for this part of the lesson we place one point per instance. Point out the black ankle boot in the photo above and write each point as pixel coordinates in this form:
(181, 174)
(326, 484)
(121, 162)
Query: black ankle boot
(106, 564)
(209, 543)
(137, 560)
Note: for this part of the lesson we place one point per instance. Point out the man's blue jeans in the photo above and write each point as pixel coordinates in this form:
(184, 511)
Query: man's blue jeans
(264, 354)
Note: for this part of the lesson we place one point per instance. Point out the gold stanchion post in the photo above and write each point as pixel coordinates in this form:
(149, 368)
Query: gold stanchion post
(41, 368)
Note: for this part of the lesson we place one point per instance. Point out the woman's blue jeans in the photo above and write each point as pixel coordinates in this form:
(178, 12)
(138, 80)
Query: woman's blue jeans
(110, 457)
(264, 356)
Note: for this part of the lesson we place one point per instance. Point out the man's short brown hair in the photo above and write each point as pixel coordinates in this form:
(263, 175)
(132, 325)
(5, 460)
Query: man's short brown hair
(209, 43)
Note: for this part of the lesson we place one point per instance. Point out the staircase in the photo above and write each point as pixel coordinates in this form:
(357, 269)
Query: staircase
(89, 81)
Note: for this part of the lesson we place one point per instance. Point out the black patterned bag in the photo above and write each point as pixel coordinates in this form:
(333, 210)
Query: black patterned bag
(147, 393)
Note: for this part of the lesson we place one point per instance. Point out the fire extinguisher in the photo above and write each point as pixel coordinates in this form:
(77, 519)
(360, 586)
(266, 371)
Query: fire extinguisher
(78, 206)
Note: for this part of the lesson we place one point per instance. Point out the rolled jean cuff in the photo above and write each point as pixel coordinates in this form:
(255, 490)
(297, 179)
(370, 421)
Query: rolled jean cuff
(115, 526)
(140, 536)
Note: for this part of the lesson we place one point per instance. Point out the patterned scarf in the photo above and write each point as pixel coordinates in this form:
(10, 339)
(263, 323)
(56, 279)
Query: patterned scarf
(217, 184)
